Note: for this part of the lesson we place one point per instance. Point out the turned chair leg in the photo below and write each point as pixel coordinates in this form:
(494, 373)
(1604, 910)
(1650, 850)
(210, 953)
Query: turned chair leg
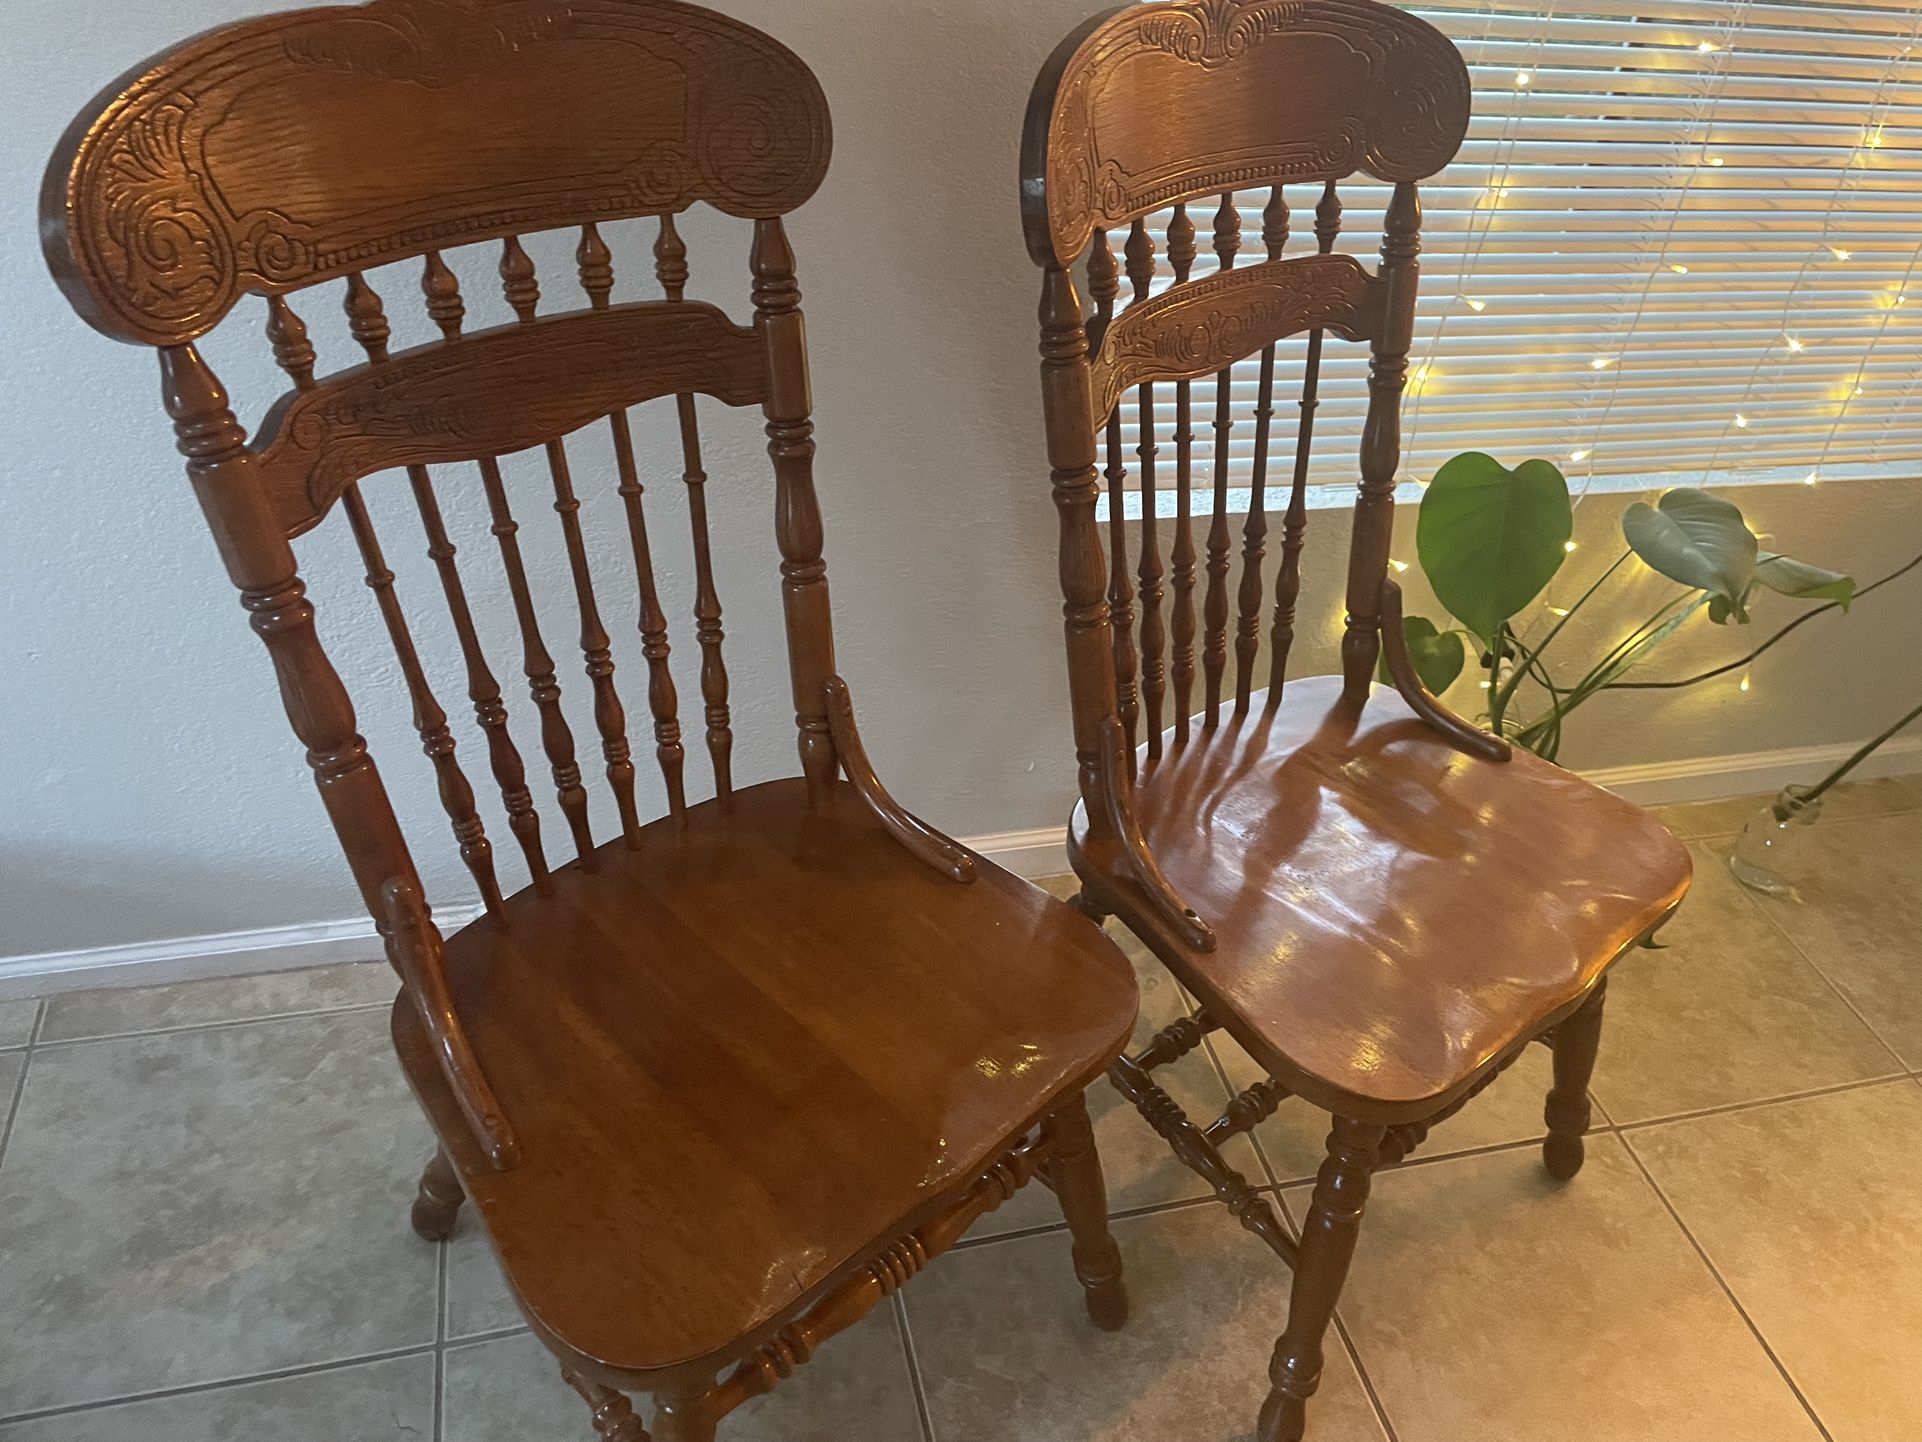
(684, 1419)
(1086, 905)
(1074, 1169)
(438, 1202)
(1567, 1112)
(1327, 1246)
(614, 1418)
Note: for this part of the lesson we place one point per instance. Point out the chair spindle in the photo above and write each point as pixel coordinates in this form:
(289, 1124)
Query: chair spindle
(1214, 647)
(367, 321)
(597, 279)
(1181, 258)
(444, 304)
(1294, 524)
(518, 282)
(797, 511)
(538, 665)
(447, 310)
(1254, 535)
(1104, 286)
(1139, 255)
(1381, 443)
(610, 717)
(670, 254)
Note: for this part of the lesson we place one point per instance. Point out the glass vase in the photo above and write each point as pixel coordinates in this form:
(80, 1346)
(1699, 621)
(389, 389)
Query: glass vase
(1768, 854)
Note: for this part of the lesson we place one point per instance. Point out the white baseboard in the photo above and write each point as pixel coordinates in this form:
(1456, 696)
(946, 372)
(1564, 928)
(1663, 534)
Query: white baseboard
(1038, 852)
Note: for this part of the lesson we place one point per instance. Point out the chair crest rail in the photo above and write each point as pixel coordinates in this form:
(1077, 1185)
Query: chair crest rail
(1196, 329)
(497, 391)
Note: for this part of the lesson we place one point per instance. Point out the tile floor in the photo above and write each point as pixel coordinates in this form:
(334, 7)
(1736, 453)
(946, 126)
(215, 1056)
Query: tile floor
(203, 1192)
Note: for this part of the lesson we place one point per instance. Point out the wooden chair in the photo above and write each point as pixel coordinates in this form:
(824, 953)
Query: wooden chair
(1381, 903)
(721, 1083)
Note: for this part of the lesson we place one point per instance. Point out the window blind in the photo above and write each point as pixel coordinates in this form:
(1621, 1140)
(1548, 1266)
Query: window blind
(1681, 243)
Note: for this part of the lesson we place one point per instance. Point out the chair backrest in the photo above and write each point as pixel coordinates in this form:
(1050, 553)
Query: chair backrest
(301, 149)
(1147, 109)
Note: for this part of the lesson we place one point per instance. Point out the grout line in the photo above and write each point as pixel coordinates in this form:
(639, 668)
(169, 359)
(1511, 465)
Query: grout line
(1124, 1214)
(440, 1336)
(39, 1020)
(15, 1094)
(1827, 980)
(1722, 1282)
(71, 1041)
(1727, 1108)
(493, 1334)
(906, 1334)
(306, 1369)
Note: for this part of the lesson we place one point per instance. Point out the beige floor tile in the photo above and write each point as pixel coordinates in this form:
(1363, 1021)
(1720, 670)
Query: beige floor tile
(1729, 1011)
(1295, 1138)
(1812, 1212)
(385, 1401)
(16, 1022)
(856, 1389)
(1858, 916)
(477, 1297)
(205, 1206)
(122, 1010)
(1488, 1303)
(1008, 1354)
(1693, 820)
(1139, 1168)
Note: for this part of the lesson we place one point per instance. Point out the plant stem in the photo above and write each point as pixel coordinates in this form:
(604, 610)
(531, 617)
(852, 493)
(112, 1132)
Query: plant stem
(1560, 622)
(1742, 661)
(1861, 755)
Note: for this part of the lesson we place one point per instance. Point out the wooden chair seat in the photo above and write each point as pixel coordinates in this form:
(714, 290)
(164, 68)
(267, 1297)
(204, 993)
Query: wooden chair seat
(746, 1053)
(1392, 914)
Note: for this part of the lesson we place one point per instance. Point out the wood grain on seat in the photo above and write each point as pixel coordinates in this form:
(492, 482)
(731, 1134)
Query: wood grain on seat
(1393, 914)
(732, 1071)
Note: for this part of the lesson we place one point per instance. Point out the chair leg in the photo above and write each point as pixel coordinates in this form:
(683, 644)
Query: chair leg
(684, 1419)
(1085, 904)
(614, 1418)
(1567, 1112)
(438, 1202)
(1074, 1169)
(1327, 1246)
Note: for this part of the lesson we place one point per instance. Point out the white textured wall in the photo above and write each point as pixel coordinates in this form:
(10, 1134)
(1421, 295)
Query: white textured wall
(148, 785)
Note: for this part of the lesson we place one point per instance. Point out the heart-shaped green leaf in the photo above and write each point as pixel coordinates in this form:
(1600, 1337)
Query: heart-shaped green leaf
(1699, 540)
(1798, 578)
(1490, 538)
(1438, 655)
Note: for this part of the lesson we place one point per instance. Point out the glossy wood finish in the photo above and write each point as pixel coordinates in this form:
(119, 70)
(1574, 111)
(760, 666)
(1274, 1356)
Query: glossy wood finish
(1383, 903)
(815, 1074)
(720, 1084)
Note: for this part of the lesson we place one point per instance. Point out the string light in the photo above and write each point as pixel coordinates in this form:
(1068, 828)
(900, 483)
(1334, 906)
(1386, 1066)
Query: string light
(1794, 344)
(1708, 47)
(1741, 421)
(1578, 455)
(1716, 160)
(1522, 78)
(1475, 305)
(1744, 686)
(1601, 362)
(1555, 610)
(1839, 253)
(1398, 565)
(1679, 269)
(1568, 546)
(1811, 478)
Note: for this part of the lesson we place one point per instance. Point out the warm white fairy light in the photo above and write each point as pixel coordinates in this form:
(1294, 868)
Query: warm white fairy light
(1839, 253)
(1741, 421)
(1708, 47)
(1716, 160)
(1568, 546)
(1398, 565)
(1811, 478)
(1578, 455)
(1475, 305)
(1522, 79)
(1679, 269)
(1795, 344)
(1555, 610)
(1601, 362)
(1744, 686)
